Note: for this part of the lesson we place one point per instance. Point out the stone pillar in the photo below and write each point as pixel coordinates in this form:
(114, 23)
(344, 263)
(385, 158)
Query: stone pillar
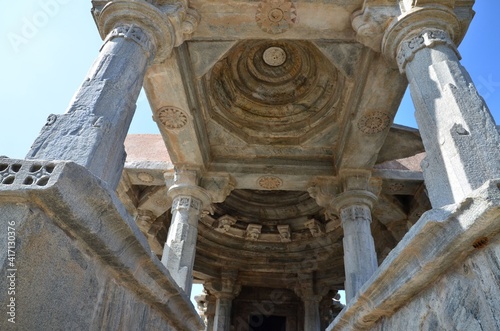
(225, 290)
(354, 207)
(305, 290)
(188, 202)
(93, 130)
(312, 320)
(210, 312)
(457, 129)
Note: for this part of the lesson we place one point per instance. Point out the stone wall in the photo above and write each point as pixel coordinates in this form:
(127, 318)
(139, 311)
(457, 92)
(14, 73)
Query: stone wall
(80, 261)
(465, 298)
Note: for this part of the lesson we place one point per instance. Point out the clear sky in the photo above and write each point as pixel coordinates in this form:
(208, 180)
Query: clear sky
(47, 47)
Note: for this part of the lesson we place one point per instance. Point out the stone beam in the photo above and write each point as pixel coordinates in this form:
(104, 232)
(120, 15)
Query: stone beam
(365, 131)
(173, 111)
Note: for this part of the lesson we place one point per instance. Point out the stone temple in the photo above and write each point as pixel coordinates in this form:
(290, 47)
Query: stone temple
(278, 177)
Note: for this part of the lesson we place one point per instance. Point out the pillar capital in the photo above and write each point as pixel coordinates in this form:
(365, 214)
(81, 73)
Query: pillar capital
(212, 188)
(226, 287)
(358, 188)
(417, 29)
(165, 26)
(185, 192)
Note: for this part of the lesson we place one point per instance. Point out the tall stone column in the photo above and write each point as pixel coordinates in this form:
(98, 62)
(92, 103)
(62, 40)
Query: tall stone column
(354, 207)
(189, 201)
(92, 131)
(457, 129)
(225, 290)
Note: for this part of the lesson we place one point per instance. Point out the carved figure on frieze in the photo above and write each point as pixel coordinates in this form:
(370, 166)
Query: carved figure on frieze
(315, 227)
(285, 233)
(253, 231)
(225, 223)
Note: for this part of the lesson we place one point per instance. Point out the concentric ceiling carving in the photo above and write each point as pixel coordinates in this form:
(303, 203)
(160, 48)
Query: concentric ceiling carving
(269, 91)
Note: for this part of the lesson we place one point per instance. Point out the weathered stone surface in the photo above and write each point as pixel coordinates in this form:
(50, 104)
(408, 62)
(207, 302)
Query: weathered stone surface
(77, 246)
(433, 269)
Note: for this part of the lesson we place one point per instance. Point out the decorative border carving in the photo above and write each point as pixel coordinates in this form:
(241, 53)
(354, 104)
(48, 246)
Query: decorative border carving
(172, 118)
(427, 38)
(186, 202)
(276, 16)
(134, 33)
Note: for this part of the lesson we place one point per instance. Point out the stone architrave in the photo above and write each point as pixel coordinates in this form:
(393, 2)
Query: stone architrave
(457, 129)
(92, 131)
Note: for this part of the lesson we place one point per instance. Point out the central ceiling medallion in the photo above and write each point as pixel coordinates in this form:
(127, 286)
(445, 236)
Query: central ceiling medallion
(274, 56)
(274, 91)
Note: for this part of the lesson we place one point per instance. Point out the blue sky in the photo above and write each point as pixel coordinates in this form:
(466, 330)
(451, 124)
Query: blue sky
(47, 46)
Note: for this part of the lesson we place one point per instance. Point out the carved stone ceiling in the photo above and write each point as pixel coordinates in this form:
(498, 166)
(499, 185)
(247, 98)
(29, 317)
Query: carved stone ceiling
(276, 94)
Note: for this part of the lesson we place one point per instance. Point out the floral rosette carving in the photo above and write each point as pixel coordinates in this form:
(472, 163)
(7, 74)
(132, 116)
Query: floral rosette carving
(276, 16)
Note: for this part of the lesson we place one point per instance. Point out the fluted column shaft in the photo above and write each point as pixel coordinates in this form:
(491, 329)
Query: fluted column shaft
(93, 130)
(457, 129)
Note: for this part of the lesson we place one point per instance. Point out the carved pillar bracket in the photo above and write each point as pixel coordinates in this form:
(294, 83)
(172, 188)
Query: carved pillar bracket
(458, 132)
(225, 290)
(189, 202)
(167, 26)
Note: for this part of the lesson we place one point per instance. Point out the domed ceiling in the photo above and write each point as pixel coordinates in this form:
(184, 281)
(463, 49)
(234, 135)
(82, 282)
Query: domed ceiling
(268, 91)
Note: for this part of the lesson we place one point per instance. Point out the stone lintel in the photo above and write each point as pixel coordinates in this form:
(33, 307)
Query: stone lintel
(92, 215)
(441, 238)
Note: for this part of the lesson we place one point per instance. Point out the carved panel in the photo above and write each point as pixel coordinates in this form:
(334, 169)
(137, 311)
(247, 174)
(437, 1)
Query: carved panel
(172, 118)
(374, 122)
(270, 182)
(276, 16)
